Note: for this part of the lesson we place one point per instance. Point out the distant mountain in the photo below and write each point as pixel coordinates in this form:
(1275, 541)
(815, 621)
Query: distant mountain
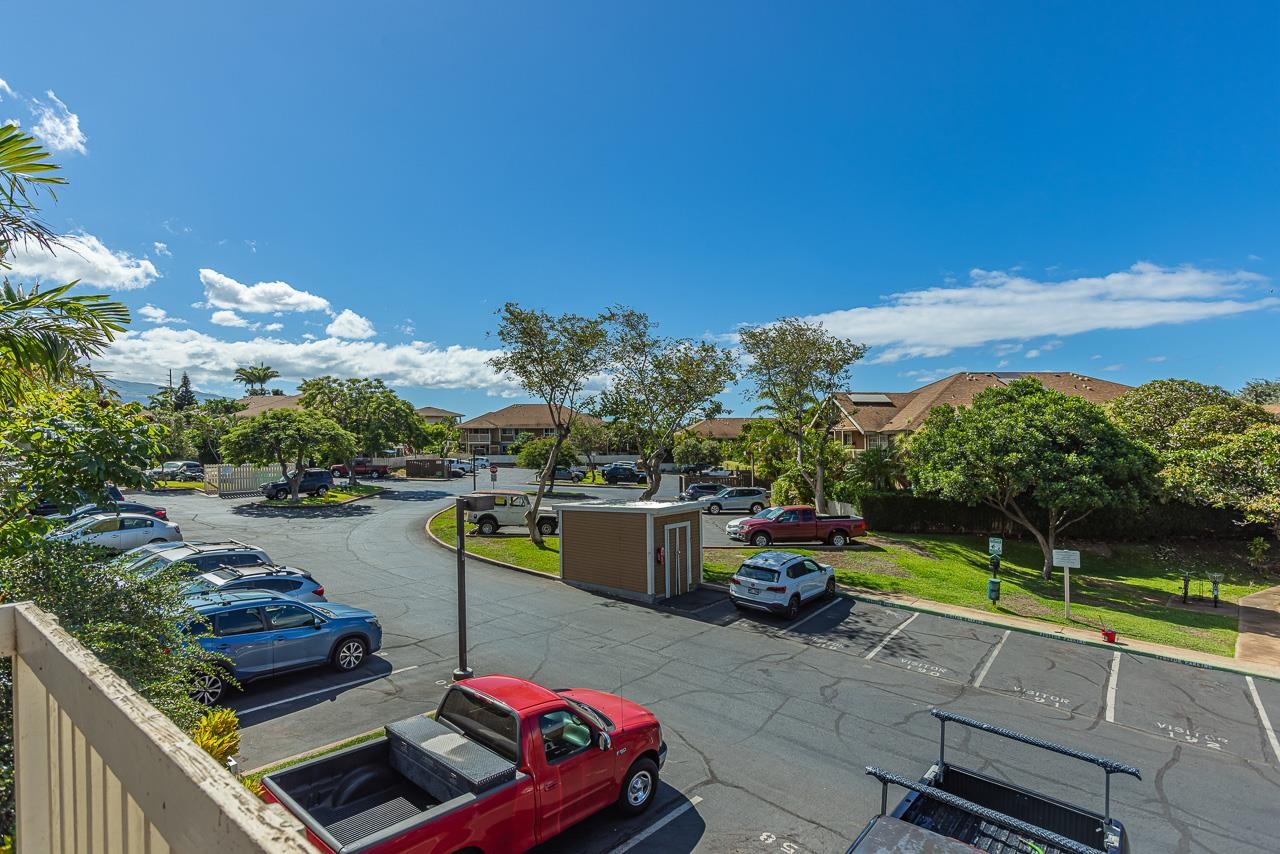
(131, 392)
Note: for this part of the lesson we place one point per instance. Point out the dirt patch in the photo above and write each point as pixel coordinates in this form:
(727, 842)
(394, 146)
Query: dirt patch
(906, 545)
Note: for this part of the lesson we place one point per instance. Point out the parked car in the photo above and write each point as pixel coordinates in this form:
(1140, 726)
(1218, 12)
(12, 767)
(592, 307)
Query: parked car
(689, 469)
(742, 499)
(265, 634)
(363, 467)
(717, 472)
(618, 473)
(195, 558)
(183, 470)
(798, 524)
(503, 766)
(780, 582)
(118, 532)
(566, 473)
(509, 507)
(694, 491)
(281, 580)
(462, 465)
(315, 482)
(117, 507)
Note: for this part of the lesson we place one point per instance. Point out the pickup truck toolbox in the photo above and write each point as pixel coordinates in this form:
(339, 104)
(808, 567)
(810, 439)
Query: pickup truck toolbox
(443, 762)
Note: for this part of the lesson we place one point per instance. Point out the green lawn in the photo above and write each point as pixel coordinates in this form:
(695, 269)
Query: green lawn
(334, 496)
(177, 484)
(508, 547)
(1127, 587)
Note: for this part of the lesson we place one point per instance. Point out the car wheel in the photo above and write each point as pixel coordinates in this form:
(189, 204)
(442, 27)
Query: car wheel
(322, 491)
(349, 654)
(714, 509)
(209, 689)
(831, 588)
(760, 539)
(838, 539)
(756, 508)
(793, 608)
(488, 527)
(282, 494)
(157, 540)
(638, 787)
(546, 527)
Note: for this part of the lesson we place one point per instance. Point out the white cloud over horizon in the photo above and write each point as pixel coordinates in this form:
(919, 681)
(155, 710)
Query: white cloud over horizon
(1001, 306)
(83, 256)
(212, 360)
(162, 249)
(56, 126)
(348, 324)
(222, 291)
(155, 314)
(227, 317)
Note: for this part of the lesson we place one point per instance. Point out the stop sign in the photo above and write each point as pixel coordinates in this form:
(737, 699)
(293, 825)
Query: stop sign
(493, 469)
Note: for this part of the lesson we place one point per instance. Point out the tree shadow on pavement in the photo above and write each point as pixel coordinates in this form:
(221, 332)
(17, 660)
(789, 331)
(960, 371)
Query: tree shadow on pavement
(333, 511)
(414, 495)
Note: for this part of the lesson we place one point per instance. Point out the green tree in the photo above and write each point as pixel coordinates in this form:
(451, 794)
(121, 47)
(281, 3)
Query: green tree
(591, 437)
(1238, 470)
(879, 469)
(62, 443)
(1150, 411)
(255, 378)
(794, 369)
(696, 451)
(287, 437)
(207, 424)
(1261, 392)
(552, 358)
(368, 410)
(1044, 459)
(440, 438)
(535, 453)
(659, 386)
(183, 396)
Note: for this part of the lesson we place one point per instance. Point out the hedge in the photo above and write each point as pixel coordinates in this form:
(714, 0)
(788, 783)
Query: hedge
(903, 512)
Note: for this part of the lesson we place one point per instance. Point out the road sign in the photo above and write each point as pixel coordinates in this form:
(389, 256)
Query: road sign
(995, 545)
(493, 469)
(1066, 558)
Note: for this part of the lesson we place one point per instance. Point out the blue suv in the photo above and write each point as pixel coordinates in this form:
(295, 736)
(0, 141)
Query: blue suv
(264, 634)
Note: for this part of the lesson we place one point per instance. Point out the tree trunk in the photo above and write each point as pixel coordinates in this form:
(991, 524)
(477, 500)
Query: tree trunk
(531, 515)
(1048, 545)
(351, 474)
(652, 466)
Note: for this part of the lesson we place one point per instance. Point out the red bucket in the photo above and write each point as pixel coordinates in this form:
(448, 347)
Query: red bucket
(1109, 635)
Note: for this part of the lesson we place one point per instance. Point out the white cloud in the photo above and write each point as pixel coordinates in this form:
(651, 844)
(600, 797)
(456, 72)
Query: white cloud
(406, 327)
(928, 375)
(154, 314)
(1003, 363)
(212, 360)
(1252, 257)
(307, 336)
(1000, 307)
(1116, 367)
(83, 256)
(56, 126)
(225, 292)
(1157, 358)
(5, 90)
(229, 318)
(348, 324)
(253, 246)
(162, 249)
(273, 327)
(1006, 349)
(1096, 356)
(1046, 347)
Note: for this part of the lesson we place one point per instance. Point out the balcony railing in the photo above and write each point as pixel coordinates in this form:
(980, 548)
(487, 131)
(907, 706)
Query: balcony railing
(98, 769)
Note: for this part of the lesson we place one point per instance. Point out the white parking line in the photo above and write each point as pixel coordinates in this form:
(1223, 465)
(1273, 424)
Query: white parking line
(1112, 681)
(986, 665)
(657, 825)
(890, 636)
(830, 604)
(297, 697)
(1262, 716)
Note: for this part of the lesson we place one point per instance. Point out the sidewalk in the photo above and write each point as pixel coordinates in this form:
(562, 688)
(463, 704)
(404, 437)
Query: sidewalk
(1259, 641)
(1263, 641)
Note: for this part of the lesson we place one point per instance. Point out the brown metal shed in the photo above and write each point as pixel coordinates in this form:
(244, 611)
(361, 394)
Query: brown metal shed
(648, 550)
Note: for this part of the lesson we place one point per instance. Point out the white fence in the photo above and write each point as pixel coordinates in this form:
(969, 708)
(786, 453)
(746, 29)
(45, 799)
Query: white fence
(233, 481)
(98, 769)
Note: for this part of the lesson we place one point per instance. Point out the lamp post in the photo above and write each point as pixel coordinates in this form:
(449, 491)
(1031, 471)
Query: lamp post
(473, 469)
(461, 505)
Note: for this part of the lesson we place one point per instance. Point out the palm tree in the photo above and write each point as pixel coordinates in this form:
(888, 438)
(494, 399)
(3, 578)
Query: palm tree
(44, 334)
(256, 377)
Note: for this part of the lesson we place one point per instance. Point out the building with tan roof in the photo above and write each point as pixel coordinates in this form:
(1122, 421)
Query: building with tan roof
(494, 432)
(720, 429)
(877, 419)
(436, 415)
(256, 404)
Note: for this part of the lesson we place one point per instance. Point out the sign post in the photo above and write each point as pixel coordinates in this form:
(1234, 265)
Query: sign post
(1068, 560)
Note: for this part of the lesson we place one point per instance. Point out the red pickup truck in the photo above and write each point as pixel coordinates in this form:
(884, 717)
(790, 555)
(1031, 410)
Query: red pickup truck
(796, 523)
(503, 766)
(363, 467)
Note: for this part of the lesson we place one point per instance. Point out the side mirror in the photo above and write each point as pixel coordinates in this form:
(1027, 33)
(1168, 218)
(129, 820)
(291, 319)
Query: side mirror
(604, 742)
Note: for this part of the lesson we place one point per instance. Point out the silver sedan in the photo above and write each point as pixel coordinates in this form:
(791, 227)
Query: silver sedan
(118, 531)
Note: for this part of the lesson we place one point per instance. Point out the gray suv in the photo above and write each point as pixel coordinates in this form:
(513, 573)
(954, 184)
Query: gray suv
(744, 499)
(314, 482)
(281, 580)
(199, 557)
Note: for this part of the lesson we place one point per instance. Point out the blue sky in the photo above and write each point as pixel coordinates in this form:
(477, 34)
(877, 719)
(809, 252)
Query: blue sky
(357, 189)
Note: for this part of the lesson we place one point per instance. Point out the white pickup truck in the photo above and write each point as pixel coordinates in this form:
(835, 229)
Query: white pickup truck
(509, 507)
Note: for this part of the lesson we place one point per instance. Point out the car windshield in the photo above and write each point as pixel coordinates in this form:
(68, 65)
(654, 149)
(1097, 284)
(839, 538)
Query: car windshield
(722, 493)
(199, 585)
(483, 720)
(83, 508)
(81, 524)
(597, 717)
(768, 513)
(150, 566)
(758, 573)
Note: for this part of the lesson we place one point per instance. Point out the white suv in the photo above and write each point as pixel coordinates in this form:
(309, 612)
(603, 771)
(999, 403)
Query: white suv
(780, 582)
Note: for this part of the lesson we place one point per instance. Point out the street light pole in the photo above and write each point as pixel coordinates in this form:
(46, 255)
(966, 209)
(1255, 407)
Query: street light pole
(462, 671)
(473, 470)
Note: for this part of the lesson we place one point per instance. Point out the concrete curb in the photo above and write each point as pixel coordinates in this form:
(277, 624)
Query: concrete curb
(473, 556)
(266, 503)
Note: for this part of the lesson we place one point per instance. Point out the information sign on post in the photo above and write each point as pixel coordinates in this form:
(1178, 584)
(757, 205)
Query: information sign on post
(493, 473)
(1068, 559)
(995, 545)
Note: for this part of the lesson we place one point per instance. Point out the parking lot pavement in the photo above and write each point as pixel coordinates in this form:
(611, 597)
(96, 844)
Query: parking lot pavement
(1192, 706)
(1035, 669)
